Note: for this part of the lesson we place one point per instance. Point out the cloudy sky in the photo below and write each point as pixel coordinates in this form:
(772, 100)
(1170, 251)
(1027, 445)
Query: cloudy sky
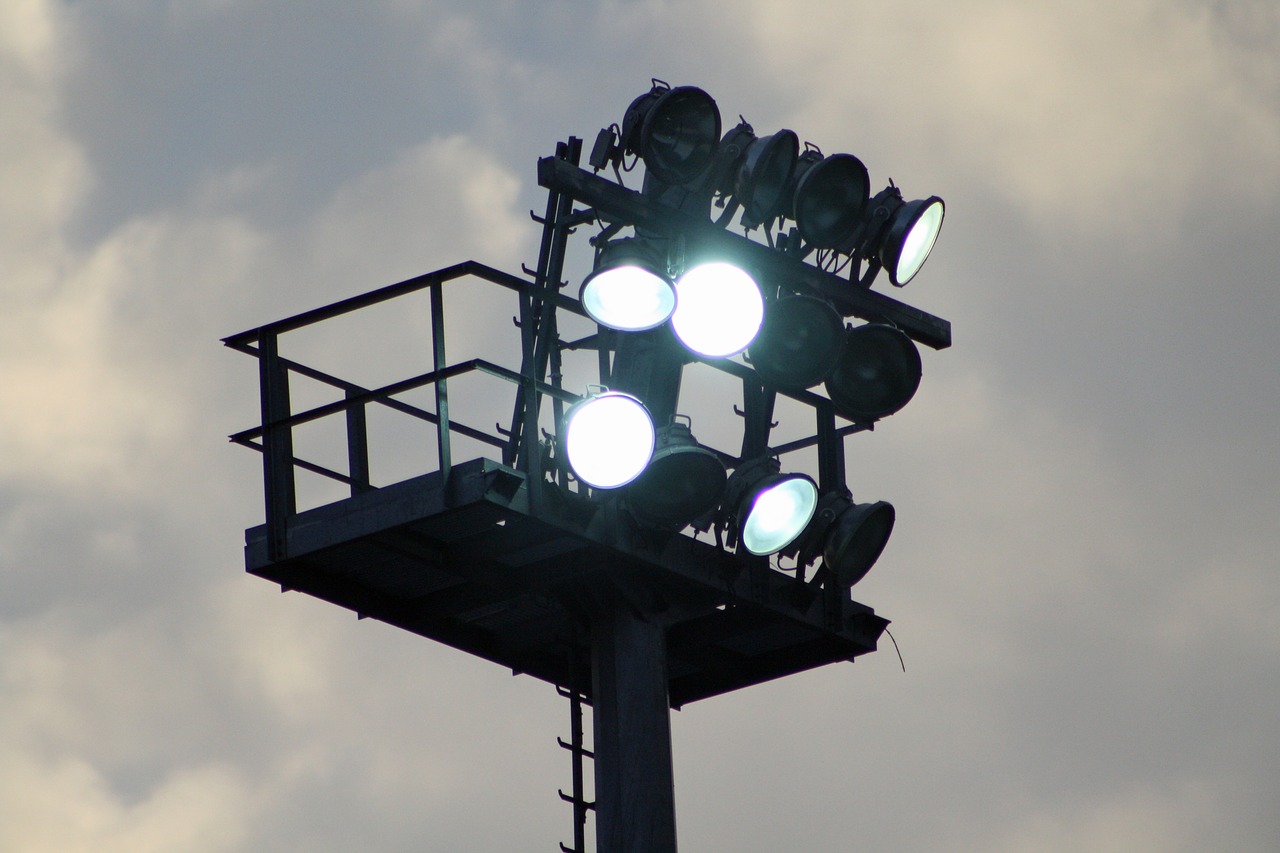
(1083, 579)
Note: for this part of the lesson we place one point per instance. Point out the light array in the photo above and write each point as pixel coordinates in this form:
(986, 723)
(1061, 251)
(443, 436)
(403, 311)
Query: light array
(672, 287)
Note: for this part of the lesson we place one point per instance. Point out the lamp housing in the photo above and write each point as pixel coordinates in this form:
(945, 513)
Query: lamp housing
(674, 131)
(913, 229)
(799, 342)
(829, 197)
(850, 537)
(629, 289)
(683, 481)
(719, 309)
(877, 373)
(608, 439)
(896, 235)
(758, 172)
(767, 509)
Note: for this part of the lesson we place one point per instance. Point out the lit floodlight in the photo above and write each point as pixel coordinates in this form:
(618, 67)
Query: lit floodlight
(762, 173)
(830, 197)
(608, 439)
(778, 513)
(769, 508)
(719, 309)
(628, 290)
(912, 232)
(799, 342)
(877, 373)
(675, 131)
(849, 537)
(682, 482)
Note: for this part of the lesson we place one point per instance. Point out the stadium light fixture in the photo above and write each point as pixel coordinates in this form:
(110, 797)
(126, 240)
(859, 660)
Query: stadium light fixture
(770, 509)
(799, 342)
(913, 229)
(609, 439)
(849, 537)
(629, 289)
(682, 482)
(878, 372)
(759, 172)
(719, 309)
(829, 197)
(674, 131)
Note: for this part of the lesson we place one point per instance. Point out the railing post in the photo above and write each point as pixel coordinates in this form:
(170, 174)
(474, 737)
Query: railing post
(277, 445)
(357, 446)
(438, 362)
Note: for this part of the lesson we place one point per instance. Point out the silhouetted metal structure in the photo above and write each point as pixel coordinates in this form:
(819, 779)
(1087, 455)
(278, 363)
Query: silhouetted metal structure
(507, 557)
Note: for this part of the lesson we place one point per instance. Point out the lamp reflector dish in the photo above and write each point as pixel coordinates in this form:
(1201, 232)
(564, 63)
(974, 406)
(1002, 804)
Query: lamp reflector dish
(719, 309)
(799, 342)
(629, 297)
(683, 481)
(830, 198)
(856, 539)
(608, 440)
(765, 174)
(780, 510)
(877, 374)
(911, 236)
(679, 134)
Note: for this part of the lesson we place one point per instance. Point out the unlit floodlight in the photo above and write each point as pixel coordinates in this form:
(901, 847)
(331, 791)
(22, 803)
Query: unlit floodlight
(849, 537)
(830, 198)
(761, 171)
(675, 131)
(799, 342)
(877, 374)
(682, 482)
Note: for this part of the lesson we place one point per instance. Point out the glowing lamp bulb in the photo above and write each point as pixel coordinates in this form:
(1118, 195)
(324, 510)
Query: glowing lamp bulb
(608, 440)
(719, 309)
(923, 223)
(629, 298)
(779, 513)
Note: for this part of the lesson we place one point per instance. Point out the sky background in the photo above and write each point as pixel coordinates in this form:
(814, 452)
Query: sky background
(1082, 581)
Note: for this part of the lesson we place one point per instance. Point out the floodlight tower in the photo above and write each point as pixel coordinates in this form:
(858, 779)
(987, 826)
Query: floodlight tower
(582, 558)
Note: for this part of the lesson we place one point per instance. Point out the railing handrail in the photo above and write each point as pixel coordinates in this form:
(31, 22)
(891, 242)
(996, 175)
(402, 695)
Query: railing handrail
(244, 341)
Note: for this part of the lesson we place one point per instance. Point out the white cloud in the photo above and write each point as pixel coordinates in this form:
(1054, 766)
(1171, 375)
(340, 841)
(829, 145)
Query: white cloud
(437, 204)
(42, 171)
(1097, 117)
(64, 805)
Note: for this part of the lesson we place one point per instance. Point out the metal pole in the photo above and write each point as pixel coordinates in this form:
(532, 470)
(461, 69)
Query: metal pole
(634, 782)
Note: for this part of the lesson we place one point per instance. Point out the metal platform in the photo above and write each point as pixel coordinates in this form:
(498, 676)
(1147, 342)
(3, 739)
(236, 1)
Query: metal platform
(468, 564)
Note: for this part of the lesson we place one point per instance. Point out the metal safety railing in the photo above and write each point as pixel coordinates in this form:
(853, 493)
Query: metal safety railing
(273, 437)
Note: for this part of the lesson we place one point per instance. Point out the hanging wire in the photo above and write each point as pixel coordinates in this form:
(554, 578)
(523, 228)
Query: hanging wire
(896, 649)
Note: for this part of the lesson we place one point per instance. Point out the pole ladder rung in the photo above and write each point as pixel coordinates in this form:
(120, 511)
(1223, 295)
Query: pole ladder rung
(577, 748)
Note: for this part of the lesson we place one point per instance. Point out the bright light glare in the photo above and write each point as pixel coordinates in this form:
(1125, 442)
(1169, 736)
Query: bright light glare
(628, 298)
(719, 310)
(918, 243)
(779, 515)
(609, 440)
